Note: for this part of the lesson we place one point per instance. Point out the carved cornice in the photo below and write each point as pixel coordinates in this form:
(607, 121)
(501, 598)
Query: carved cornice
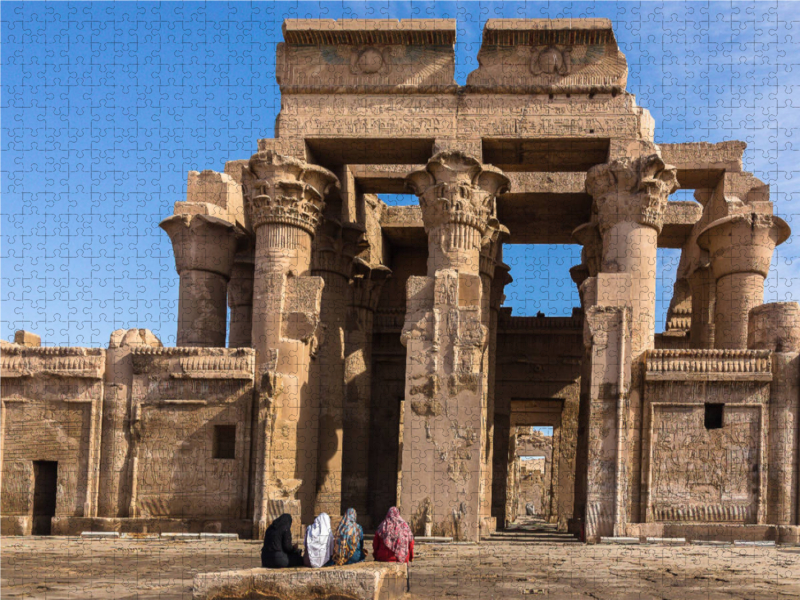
(24, 361)
(632, 190)
(455, 188)
(195, 363)
(690, 364)
(284, 190)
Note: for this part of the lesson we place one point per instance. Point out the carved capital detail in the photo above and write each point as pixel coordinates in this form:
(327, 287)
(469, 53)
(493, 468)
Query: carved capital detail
(285, 190)
(367, 283)
(492, 241)
(634, 190)
(336, 246)
(588, 236)
(455, 188)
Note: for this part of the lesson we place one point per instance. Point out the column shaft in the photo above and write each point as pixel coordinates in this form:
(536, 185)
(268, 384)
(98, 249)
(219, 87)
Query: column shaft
(240, 301)
(443, 478)
(202, 309)
(704, 291)
(284, 197)
(736, 294)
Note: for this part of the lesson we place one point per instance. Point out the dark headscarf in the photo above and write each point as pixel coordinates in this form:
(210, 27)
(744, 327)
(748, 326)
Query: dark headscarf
(278, 534)
(279, 525)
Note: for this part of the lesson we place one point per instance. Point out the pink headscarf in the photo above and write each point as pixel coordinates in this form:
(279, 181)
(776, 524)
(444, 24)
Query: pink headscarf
(396, 534)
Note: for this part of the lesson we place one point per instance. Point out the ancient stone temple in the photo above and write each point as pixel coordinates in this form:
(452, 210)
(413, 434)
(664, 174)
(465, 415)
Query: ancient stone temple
(366, 359)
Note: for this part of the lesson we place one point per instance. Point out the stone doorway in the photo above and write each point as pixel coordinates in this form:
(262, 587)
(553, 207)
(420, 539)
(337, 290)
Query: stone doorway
(45, 489)
(541, 462)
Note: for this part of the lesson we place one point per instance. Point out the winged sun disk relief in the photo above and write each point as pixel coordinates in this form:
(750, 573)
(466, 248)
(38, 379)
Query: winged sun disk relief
(370, 61)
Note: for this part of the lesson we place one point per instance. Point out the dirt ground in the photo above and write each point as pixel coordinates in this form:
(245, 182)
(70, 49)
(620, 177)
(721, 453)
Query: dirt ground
(60, 568)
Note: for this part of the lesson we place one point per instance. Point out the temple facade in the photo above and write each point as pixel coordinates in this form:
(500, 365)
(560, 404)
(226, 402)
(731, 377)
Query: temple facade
(336, 352)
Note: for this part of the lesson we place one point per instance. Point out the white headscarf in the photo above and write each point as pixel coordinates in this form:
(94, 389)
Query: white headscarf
(319, 541)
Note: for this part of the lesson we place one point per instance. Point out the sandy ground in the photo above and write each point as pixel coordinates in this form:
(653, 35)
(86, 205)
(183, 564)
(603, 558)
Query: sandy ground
(60, 568)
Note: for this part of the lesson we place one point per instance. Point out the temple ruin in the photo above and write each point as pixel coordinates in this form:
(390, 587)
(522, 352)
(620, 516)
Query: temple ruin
(369, 361)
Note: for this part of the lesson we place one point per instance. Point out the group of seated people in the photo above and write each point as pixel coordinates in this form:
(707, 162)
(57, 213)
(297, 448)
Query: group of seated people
(393, 542)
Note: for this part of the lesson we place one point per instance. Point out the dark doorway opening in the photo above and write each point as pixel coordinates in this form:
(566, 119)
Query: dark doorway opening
(45, 487)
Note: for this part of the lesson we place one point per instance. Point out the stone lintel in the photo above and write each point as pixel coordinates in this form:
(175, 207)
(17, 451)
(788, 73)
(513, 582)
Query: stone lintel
(700, 164)
(402, 225)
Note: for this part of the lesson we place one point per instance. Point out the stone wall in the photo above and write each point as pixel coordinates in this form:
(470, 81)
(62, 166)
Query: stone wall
(181, 397)
(706, 434)
(52, 405)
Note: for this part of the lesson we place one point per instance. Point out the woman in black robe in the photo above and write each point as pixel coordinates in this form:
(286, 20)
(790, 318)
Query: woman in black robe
(278, 551)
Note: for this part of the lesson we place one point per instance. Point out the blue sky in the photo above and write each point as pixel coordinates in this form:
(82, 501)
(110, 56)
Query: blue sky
(106, 107)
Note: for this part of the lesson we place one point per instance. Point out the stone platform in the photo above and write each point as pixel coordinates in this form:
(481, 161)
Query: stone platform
(364, 581)
(720, 532)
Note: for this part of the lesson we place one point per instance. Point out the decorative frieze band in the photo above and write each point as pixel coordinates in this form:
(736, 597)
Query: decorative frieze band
(751, 365)
(714, 513)
(195, 363)
(60, 362)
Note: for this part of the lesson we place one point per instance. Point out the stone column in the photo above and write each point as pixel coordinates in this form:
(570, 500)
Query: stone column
(445, 339)
(284, 200)
(334, 249)
(776, 327)
(704, 291)
(204, 247)
(366, 285)
(630, 197)
(491, 298)
(240, 300)
(740, 249)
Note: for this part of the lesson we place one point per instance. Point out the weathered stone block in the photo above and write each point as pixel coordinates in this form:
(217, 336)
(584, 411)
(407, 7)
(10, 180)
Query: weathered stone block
(364, 581)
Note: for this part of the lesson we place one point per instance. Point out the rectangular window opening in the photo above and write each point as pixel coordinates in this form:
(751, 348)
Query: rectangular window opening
(713, 416)
(224, 441)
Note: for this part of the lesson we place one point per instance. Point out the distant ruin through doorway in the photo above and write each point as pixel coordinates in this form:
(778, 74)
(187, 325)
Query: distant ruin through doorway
(541, 464)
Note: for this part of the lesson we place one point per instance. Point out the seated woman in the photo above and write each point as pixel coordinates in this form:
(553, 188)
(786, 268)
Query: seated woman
(319, 542)
(393, 540)
(348, 543)
(278, 552)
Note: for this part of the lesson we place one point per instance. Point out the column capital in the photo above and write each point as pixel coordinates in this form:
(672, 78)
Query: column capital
(502, 277)
(336, 246)
(202, 243)
(284, 190)
(491, 243)
(588, 236)
(367, 283)
(456, 188)
(743, 243)
(240, 287)
(631, 189)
